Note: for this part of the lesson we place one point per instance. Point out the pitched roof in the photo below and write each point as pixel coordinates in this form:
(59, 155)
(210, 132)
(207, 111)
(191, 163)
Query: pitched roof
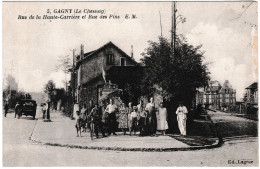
(253, 86)
(227, 86)
(92, 53)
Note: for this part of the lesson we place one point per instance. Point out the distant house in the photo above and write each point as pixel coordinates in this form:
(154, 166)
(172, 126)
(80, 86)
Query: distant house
(227, 95)
(252, 93)
(215, 96)
(101, 72)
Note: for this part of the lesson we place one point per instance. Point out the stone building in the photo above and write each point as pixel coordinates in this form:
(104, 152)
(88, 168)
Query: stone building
(102, 72)
(215, 96)
(252, 94)
(227, 95)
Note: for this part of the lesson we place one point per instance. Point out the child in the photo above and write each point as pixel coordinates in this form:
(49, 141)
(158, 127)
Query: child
(78, 122)
(83, 115)
(133, 118)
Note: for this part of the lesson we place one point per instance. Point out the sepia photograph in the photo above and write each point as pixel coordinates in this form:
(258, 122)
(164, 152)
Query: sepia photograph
(130, 84)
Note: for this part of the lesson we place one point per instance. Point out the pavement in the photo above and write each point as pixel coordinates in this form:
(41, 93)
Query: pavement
(240, 148)
(238, 126)
(61, 132)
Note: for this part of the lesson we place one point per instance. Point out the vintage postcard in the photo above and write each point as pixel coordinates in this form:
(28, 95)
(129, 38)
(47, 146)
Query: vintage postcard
(137, 84)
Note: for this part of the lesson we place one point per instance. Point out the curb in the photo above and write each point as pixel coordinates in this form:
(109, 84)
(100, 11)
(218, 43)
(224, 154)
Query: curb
(30, 137)
(214, 145)
(217, 144)
(220, 138)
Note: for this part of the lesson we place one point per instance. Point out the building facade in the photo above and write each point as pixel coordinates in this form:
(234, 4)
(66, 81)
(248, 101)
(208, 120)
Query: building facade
(252, 94)
(215, 96)
(99, 67)
(227, 95)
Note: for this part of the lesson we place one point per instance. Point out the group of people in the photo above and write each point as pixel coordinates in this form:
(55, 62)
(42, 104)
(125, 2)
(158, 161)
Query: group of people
(149, 119)
(146, 118)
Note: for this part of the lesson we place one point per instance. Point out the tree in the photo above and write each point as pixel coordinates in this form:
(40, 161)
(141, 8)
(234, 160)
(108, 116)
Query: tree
(49, 87)
(178, 74)
(11, 83)
(64, 64)
(16, 96)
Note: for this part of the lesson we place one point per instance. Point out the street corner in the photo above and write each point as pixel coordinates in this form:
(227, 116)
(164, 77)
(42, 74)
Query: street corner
(66, 137)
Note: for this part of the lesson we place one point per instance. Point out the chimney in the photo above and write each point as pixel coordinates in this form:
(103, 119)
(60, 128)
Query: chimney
(132, 52)
(81, 51)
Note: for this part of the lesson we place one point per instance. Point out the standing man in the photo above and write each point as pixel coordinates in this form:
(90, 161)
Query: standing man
(111, 110)
(75, 109)
(16, 109)
(44, 108)
(150, 108)
(48, 107)
(96, 116)
(182, 117)
(6, 108)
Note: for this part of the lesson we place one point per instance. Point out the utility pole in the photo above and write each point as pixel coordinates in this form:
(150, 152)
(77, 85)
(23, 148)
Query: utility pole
(4, 78)
(173, 31)
(73, 81)
(160, 22)
(73, 76)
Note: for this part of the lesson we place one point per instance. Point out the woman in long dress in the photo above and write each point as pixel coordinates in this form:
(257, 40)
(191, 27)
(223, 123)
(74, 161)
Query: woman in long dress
(162, 124)
(129, 110)
(123, 119)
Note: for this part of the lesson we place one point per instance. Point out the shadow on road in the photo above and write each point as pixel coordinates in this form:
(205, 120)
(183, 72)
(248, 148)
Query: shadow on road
(236, 132)
(27, 118)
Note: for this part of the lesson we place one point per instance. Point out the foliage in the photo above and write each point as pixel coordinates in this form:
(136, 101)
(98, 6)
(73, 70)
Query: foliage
(55, 94)
(11, 83)
(15, 96)
(49, 87)
(245, 98)
(131, 90)
(178, 74)
(64, 64)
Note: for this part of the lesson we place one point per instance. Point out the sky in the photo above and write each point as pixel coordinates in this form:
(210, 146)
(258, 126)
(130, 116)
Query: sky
(229, 39)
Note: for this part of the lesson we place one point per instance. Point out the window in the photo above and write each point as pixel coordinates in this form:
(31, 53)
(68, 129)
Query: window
(123, 62)
(110, 59)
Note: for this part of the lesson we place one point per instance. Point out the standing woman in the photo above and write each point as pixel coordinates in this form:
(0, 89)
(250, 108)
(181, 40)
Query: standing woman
(129, 110)
(162, 124)
(123, 118)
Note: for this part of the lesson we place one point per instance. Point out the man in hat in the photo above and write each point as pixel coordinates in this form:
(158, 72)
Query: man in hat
(181, 118)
